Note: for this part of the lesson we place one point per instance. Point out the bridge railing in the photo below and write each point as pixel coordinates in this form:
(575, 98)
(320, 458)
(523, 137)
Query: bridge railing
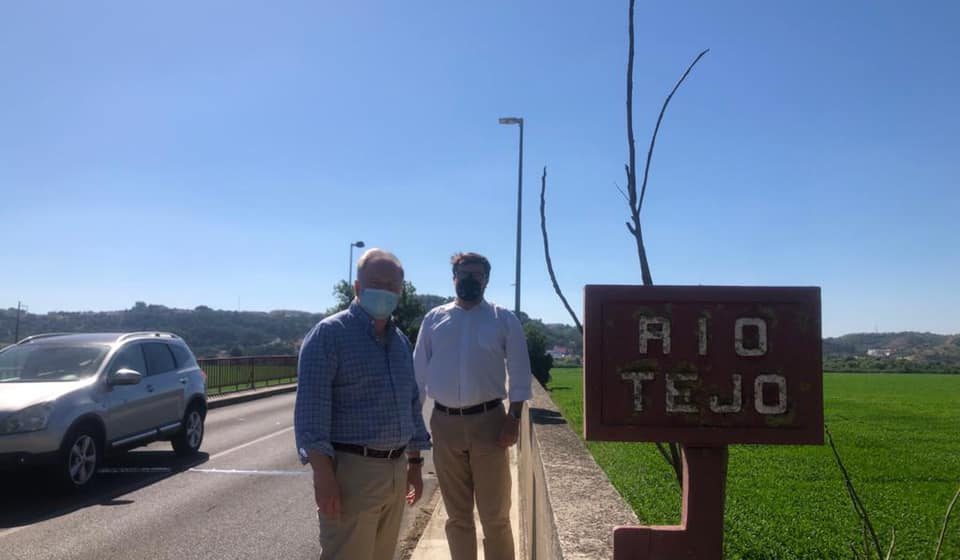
(228, 375)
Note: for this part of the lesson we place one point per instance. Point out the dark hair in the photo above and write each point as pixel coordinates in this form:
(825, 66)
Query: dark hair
(470, 258)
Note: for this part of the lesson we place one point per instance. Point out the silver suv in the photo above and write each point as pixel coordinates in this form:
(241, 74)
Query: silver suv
(66, 400)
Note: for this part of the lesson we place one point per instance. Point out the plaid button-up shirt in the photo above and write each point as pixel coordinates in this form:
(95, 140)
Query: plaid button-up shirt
(355, 389)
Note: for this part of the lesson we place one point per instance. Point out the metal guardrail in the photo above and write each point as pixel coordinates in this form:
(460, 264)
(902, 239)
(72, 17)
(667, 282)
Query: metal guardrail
(228, 375)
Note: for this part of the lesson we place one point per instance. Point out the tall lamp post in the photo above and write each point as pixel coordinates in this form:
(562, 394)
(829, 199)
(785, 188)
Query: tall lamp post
(518, 121)
(16, 332)
(358, 245)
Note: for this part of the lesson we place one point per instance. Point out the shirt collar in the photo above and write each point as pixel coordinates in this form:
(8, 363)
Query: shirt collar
(361, 314)
(482, 305)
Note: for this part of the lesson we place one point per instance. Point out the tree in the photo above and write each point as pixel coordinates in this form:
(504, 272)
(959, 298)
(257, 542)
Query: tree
(409, 312)
(634, 199)
(343, 292)
(540, 361)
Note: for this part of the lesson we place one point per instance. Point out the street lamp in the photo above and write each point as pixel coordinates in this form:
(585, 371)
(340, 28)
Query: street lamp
(358, 245)
(518, 121)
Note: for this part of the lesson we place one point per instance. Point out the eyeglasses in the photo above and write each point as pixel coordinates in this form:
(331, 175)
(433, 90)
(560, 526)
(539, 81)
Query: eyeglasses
(477, 274)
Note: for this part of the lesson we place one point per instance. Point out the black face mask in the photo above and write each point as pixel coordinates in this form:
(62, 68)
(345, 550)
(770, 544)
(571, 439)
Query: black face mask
(469, 289)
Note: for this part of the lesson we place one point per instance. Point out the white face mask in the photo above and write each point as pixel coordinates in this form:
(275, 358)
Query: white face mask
(379, 303)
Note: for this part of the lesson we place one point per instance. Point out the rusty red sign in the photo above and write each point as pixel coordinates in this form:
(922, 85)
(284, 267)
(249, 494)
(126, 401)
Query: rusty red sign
(703, 365)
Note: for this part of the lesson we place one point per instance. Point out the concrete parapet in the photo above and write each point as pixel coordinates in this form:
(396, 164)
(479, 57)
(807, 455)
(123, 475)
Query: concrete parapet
(568, 507)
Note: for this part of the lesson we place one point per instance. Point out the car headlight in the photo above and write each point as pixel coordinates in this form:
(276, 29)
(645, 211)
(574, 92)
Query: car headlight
(29, 419)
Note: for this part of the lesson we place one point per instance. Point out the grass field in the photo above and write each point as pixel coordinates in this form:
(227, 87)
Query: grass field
(898, 435)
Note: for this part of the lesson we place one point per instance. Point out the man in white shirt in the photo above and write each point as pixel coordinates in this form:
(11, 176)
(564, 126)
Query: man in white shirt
(470, 356)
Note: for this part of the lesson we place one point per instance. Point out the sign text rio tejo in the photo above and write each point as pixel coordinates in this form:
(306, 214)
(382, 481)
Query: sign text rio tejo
(704, 366)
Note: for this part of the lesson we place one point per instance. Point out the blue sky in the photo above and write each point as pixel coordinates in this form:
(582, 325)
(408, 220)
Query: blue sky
(227, 153)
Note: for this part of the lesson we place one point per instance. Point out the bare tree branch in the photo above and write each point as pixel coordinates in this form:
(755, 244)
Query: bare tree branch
(546, 249)
(671, 454)
(653, 138)
(946, 519)
(631, 167)
(631, 144)
(893, 544)
(623, 193)
(855, 499)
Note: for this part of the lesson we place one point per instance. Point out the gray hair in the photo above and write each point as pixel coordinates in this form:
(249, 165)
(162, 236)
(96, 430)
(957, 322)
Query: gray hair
(373, 255)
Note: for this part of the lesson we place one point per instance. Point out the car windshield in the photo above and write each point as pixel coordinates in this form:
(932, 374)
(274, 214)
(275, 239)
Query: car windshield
(50, 362)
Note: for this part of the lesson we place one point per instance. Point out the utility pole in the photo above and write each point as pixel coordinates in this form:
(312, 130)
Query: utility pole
(16, 332)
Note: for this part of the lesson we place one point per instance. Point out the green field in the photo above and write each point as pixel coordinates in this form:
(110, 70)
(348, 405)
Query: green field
(898, 435)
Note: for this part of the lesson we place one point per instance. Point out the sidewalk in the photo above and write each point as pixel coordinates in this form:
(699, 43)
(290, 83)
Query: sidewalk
(216, 401)
(433, 541)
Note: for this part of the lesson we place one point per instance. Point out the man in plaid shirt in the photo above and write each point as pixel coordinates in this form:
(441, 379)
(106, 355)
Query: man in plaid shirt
(358, 414)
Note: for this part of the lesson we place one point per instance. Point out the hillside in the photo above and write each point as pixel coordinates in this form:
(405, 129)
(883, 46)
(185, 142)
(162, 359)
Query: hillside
(902, 351)
(212, 332)
(209, 332)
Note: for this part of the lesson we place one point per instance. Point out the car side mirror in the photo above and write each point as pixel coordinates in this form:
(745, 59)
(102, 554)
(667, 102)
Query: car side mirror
(124, 376)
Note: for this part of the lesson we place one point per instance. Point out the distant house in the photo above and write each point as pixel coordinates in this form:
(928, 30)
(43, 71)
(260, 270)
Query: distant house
(558, 352)
(880, 353)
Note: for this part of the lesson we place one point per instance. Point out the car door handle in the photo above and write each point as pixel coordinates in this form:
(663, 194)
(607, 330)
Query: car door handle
(183, 380)
(149, 388)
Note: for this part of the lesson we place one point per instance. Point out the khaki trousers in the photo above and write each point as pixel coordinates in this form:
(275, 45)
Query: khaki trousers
(372, 494)
(472, 468)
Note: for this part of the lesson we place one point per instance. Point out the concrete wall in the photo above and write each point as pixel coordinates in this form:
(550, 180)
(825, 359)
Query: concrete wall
(568, 507)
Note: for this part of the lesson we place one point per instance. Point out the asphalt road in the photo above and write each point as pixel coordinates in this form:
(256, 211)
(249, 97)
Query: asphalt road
(245, 496)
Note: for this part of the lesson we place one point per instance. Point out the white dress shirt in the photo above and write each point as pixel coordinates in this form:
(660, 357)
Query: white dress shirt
(464, 357)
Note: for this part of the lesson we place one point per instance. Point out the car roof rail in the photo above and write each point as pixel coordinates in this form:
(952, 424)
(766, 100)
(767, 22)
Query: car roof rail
(43, 335)
(146, 334)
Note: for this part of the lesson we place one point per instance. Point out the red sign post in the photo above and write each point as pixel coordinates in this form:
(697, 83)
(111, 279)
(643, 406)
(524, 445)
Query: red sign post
(704, 366)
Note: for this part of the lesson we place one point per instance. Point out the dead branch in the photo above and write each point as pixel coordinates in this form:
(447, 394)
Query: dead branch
(946, 518)
(635, 202)
(656, 129)
(855, 499)
(546, 249)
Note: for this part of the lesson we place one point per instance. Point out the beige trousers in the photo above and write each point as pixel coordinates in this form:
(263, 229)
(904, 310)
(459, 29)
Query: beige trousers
(472, 468)
(372, 494)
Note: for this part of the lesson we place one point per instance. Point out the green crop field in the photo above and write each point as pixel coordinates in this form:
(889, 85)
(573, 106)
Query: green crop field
(898, 435)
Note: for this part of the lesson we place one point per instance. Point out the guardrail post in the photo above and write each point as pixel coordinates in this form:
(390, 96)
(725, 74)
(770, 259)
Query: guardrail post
(252, 361)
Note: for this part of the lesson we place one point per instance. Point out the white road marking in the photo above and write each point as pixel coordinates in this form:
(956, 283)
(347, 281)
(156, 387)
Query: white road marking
(248, 472)
(7, 532)
(249, 443)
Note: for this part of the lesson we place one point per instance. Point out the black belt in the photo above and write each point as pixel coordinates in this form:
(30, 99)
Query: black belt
(475, 409)
(369, 451)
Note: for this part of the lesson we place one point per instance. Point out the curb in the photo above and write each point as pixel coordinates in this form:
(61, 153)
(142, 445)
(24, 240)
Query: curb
(245, 396)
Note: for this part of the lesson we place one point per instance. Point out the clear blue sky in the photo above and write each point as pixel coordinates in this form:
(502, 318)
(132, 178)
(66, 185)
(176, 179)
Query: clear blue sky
(217, 153)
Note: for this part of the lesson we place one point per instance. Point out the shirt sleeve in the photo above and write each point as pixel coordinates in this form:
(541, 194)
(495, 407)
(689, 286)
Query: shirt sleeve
(421, 355)
(316, 369)
(518, 361)
(421, 439)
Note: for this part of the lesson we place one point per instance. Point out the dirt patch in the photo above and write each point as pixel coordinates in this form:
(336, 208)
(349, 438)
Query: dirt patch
(409, 542)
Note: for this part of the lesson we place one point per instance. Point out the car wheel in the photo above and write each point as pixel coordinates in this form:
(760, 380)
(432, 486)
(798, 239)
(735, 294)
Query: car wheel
(80, 458)
(188, 440)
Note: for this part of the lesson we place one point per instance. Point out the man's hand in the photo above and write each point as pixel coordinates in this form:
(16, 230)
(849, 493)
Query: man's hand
(326, 490)
(414, 483)
(509, 431)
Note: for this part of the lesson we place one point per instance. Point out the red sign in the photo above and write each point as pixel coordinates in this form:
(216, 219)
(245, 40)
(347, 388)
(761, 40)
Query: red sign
(703, 365)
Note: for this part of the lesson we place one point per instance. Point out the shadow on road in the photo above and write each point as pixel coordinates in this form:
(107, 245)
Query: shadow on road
(31, 497)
